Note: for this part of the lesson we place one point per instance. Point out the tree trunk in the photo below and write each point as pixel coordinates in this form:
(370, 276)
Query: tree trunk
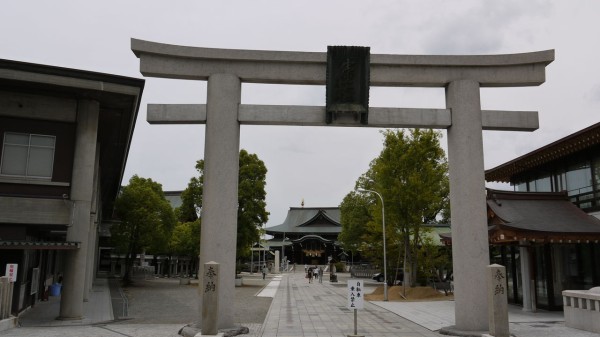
(407, 261)
(413, 265)
(128, 263)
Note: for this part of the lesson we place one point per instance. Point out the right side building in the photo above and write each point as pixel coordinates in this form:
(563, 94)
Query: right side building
(547, 231)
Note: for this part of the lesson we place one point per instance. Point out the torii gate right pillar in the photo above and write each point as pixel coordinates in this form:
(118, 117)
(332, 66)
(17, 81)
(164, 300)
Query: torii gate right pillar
(470, 251)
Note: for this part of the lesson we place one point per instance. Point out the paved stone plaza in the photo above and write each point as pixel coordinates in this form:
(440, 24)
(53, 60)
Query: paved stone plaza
(160, 307)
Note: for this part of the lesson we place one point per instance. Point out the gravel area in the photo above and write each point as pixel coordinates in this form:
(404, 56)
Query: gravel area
(165, 301)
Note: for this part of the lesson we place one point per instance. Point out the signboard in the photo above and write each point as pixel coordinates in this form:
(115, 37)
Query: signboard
(355, 294)
(347, 83)
(11, 272)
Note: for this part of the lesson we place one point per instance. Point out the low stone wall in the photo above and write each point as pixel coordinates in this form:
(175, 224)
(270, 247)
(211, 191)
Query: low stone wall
(582, 309)
(362, 272)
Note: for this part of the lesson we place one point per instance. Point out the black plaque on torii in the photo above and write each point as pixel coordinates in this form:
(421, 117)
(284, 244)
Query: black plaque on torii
(347, 90)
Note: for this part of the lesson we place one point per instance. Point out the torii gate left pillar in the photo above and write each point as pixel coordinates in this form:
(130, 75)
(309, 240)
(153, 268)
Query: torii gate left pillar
(220, 194)
(461, 75)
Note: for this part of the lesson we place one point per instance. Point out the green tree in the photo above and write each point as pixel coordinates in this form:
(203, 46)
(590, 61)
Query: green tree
(184, 239)
(251, 213)
(146, 220)
(191, 200)
(354, 215)
(411, 173)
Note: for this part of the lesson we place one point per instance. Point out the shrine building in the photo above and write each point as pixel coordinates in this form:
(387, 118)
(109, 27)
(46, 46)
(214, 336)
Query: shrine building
(308, 235)
(547, 231)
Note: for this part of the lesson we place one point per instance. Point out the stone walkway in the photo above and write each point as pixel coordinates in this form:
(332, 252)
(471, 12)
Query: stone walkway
(160, 307)
(319, 309)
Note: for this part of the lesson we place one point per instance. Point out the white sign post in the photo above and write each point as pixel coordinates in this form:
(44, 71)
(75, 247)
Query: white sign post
(355, 300)
(11, 272)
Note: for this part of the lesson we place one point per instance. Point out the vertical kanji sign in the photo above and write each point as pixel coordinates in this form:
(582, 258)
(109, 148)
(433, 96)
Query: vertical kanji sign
(355, 294)
(11, 272)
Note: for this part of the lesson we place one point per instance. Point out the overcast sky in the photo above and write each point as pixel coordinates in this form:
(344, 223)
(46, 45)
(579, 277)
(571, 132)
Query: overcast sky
(317, 164)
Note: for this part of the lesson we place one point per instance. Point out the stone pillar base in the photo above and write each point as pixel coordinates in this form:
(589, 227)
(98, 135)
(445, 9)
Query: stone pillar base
(8, 323)
(453, 331)
(75, 318)
(193, 330)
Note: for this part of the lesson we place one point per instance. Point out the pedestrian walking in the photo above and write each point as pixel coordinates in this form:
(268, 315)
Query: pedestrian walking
(320, 275)
(310, 275)
(265, 270)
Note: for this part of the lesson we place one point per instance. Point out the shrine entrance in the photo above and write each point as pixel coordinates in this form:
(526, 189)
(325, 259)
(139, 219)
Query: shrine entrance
(313, 250)
(462, 76)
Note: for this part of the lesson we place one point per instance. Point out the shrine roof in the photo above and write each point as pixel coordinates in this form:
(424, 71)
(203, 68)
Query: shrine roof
(539, 212)
(309, 220)
(563, 147)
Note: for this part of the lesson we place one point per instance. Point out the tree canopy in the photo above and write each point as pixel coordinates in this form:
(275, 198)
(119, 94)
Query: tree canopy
(355, 214)
(184, 239)
(146, 220)
(411, 174)
(251, 213)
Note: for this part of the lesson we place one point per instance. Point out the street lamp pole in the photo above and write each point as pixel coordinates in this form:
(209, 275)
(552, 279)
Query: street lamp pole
(385, 292)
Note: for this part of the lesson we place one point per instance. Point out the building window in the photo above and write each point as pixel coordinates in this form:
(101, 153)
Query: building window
(27, 155)
(521, 187)
(579, 178)
(543, 184)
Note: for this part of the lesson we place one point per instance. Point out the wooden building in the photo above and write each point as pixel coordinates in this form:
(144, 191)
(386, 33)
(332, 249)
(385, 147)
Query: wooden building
(547, 231)
(308, 235)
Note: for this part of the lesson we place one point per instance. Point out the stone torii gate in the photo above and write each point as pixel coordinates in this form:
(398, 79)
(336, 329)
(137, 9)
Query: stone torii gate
(462, 77)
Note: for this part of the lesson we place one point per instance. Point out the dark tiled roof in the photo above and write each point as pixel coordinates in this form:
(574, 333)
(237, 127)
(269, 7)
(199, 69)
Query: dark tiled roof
(316, 220)
(563, 147)
(44, 245)
(540, 212)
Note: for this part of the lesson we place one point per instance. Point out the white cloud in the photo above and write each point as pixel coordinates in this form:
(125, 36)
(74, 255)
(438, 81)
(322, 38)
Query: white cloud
(317, 164)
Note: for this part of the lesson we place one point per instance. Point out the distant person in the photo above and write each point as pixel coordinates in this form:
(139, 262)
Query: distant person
(320, 275)
(265, 270)
(305, 268)
(315, 272)
(310, 275)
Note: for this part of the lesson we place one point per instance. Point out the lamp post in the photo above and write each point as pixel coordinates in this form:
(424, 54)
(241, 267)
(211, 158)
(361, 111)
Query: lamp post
(385, 292)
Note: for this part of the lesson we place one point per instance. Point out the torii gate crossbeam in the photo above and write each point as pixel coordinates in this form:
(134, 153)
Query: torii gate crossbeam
(461, 75)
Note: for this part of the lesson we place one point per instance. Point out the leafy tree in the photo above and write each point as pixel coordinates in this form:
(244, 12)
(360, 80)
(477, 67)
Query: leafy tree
(146, 220)
(191, 200)
(354, 215)
(184, 239)
(252, 212)
(411, 174)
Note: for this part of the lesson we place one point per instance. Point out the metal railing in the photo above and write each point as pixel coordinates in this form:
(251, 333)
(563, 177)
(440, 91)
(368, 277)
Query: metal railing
(585, 197)
(363, 271)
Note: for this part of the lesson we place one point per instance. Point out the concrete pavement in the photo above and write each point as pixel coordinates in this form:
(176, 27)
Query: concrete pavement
(297, 309)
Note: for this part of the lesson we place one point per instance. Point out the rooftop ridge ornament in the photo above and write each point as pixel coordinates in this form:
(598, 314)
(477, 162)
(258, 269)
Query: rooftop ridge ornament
(347, 88)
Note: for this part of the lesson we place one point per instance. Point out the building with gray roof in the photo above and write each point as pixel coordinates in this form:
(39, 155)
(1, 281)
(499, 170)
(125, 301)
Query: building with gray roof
(308, 235)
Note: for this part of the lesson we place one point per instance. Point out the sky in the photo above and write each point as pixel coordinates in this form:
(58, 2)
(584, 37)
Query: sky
(319, 165)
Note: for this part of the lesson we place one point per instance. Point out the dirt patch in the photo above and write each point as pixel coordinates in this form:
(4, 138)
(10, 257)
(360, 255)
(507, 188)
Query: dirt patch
(412, 294)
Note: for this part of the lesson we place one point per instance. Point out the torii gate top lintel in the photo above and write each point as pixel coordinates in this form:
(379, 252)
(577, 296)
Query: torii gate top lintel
(290, 67)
